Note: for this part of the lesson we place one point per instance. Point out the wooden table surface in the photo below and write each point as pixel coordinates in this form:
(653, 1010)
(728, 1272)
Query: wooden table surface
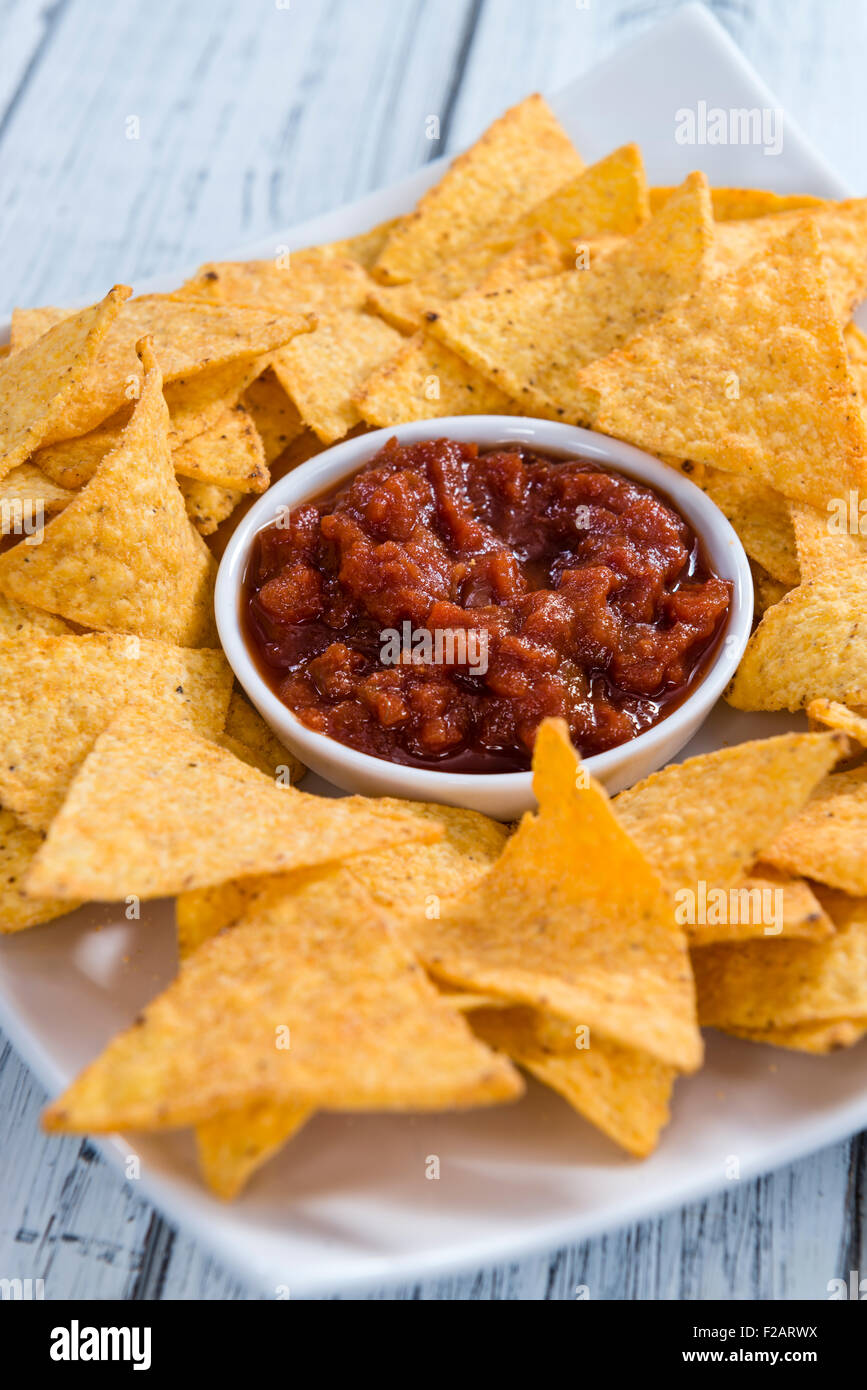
(252, 115)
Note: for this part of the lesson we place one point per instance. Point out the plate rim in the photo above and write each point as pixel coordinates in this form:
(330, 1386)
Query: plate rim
(200, 1218)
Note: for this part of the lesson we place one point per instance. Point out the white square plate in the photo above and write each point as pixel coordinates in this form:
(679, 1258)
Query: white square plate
(347, 1203)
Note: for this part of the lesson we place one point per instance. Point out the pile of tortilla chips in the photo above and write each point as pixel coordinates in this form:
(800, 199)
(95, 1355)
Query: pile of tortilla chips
(361, 954)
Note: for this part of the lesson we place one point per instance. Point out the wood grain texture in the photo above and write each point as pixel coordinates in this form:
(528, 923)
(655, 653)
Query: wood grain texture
(252, 116)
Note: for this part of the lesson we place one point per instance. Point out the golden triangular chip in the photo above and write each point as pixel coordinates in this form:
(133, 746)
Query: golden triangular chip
(767, 902)
(245, 723)
(316, 999)
(231, 1147)
(123, 555)
(754, 789)
(520, 159)
(207, 504)
(824, 543)
(321, 377)
(367, 247)
(420, 878)
(27, 496)
(275, 417)
(29, 324)
(760, 985)
(737, 203)
(228, 453)
(811, 645)
(425, 379)
(189, 337)
(851, 720)
(762, 518)
(57, 693)
(843, 228)
(816, 1038)
(72, 462)
(318, 278)
(198, 402)
(49, 381)
(156, 810)
(827, 841)
(494, 264)
(530, 341)
(22, 618)
(748, 373)
(608, 198)
(623, 1092)
(573, 919)
(18, 909)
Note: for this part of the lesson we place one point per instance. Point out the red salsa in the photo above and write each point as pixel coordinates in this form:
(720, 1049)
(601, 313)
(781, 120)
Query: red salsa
(439, 604)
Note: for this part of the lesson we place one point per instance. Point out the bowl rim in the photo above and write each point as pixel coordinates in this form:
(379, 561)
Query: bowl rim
(341, 460)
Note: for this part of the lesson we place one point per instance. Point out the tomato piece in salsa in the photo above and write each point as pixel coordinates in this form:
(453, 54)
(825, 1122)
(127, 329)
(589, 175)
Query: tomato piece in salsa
(442, 602)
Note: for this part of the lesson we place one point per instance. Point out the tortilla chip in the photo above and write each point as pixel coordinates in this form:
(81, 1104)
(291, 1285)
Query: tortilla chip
(367, 247)
(623, 1092)
(754, 789)
(156, 809)
(782, 984)
(826, 841)
(51, 381)
(229, 454)
(467, 1003)
(26, 495)
(797, 911)
(573, 919)
(232, 1146)
(736, 204)
(417, 879)
(18, 844)
(72, 462)
(520, 159)
(426, 380)
(766, 590)
(831, 715)
(274, 415)
(197, 403)
(534, 256)
(318, 958)
(530, 341)
(817, 1038)
(246, 724)
(202, 913)
(207, 505)
(343, 351)
(843, 229)
(811, 645)
(57, 693)
(610, 197)
(318, 279)
(856, 347)
(749, 375)
(29, 324)
(509, 260)
(23, 618)
(189, 337)
(123, 555)
(823, 548)
(762, 518)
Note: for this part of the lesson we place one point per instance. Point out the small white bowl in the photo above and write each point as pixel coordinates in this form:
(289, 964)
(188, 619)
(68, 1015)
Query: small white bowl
(501, 795)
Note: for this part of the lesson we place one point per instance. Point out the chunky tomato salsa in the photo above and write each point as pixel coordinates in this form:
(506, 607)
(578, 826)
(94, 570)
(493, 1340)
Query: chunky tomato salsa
(442, 602)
